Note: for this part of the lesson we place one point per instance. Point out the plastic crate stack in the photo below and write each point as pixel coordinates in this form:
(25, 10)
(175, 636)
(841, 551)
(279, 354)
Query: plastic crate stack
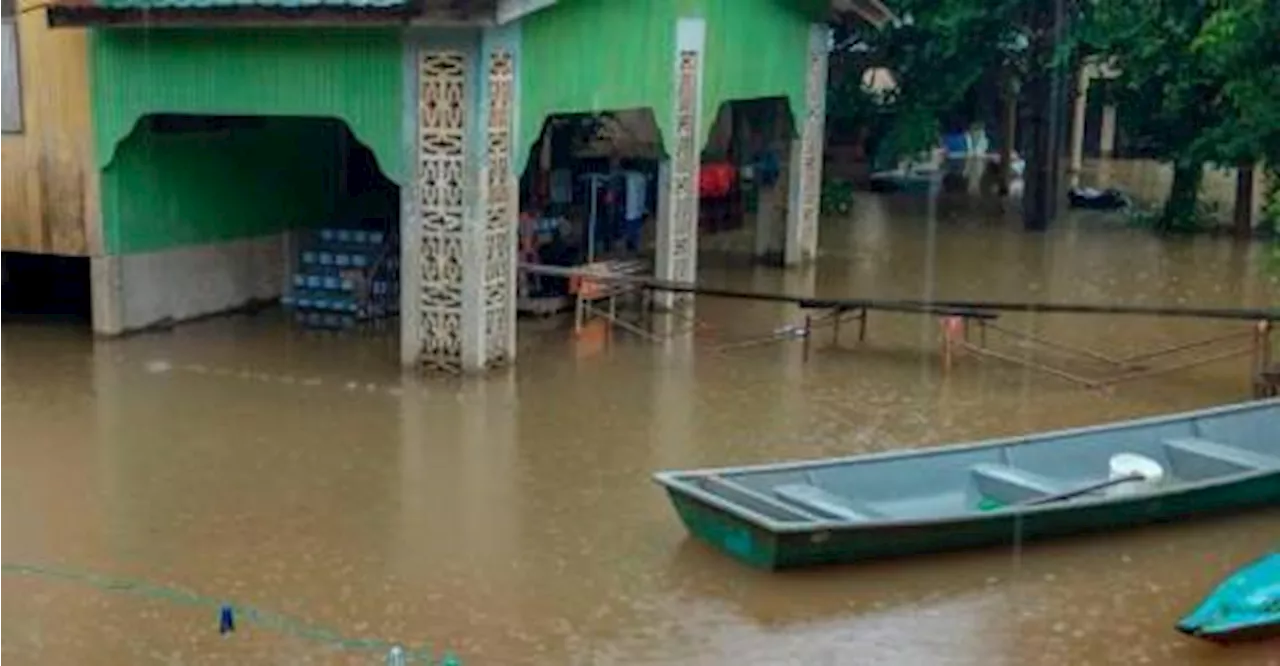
(346, 277)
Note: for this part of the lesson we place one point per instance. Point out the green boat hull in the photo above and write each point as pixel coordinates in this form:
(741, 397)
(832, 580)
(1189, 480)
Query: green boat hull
(758, 547)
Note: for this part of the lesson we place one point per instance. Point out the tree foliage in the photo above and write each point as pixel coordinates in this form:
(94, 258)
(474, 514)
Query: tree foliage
(1199, 79)
(1239, 44)
(1164, 87)
(938, 52)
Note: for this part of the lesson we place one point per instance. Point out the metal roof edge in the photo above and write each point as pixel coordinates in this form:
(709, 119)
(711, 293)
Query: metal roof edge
(514, 10)
(81, 16)
(874, 12)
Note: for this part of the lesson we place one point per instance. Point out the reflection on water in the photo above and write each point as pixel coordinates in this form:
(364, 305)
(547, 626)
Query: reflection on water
(512, 518)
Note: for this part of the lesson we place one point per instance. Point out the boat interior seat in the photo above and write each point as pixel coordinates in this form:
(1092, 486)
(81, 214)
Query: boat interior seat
(752, 500)
(1011, 485)
(825, 503)
(1194, 458)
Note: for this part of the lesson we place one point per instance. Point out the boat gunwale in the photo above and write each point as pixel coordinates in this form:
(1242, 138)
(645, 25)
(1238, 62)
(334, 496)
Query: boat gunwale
(680, 480)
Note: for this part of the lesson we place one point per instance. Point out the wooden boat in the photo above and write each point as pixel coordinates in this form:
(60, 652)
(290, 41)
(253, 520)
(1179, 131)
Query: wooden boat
(1245, 606)
(996, 492)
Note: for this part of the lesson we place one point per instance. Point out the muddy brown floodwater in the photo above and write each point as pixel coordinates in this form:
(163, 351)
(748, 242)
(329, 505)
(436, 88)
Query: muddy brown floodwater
(511, 520)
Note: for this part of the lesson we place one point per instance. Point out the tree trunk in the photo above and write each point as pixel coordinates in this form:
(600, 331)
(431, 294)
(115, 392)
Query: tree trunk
(1043, 174)
(1046, 97)
(1180, 206)
(1243, 218)
(1009, 124)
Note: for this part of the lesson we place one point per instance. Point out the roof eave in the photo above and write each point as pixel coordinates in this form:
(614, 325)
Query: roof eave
(81, 16)
(509, 11)
(872, 11)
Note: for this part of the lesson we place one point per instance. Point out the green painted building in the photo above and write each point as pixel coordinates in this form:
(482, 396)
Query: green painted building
(222, 128)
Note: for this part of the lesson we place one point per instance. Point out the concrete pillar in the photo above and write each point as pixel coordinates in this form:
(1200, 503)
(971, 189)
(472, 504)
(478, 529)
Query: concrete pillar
(805, 165)
(770, 214)
(459, 213)
(1077, 120)
(677, 232)
(106, 294)
(1108, 131)
(797, 198)
(500, 200)
(762, 239)
(1261, 188)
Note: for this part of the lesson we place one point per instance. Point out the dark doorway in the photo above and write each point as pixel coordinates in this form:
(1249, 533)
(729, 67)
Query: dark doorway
(47, 287)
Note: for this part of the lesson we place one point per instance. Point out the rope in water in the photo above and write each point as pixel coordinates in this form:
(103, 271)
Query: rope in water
(266, 619)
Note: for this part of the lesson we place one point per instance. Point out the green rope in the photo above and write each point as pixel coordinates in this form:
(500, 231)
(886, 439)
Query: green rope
(266, 619)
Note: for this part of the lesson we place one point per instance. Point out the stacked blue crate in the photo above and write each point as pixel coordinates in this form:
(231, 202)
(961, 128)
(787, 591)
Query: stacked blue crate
(345, 277)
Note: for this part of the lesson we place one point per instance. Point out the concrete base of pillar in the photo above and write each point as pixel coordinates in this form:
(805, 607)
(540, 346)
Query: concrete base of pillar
(136, 291)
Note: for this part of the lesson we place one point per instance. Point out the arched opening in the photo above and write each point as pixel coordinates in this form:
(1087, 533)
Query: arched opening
(588, 193)
(742, 188)
(208, 213)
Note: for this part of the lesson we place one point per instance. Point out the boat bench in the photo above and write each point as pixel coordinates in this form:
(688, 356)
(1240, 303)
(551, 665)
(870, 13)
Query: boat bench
(1011, 485)
(753, 500)
(1194, 458)
(824, 503)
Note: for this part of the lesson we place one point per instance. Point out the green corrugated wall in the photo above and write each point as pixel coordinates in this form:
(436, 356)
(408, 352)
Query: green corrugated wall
(160, 192)
(167, 190)
(592, 55)
(578, 55)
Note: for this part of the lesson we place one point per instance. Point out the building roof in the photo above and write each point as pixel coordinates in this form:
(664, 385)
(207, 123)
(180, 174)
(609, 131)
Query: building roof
(872, 11)
(206, 12)
(213, 12)
(214, 4)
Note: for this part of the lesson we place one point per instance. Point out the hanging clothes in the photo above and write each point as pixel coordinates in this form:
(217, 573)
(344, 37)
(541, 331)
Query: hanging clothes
(715, 180)
(636, 185)
(637, 190)
(561, 186)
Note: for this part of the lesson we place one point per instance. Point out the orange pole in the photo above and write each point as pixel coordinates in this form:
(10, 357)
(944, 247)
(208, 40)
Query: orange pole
(950, 327)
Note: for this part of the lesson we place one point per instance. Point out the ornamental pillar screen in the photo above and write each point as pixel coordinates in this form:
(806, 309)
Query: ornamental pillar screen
(459, 232)
(677, 251)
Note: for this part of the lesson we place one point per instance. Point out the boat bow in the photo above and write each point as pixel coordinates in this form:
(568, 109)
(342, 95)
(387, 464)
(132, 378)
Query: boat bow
(1245, 605)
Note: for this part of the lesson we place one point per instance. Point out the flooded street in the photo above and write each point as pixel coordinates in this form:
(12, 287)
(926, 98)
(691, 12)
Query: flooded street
(341, 505)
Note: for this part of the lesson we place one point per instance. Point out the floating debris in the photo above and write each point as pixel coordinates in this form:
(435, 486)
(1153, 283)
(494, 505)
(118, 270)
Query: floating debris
(791, 332)
(226, 620)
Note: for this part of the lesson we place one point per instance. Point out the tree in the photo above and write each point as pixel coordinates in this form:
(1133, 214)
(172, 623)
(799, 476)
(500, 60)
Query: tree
(1047, 65)
(1240, 43)
(1199, 78)
(940, 52)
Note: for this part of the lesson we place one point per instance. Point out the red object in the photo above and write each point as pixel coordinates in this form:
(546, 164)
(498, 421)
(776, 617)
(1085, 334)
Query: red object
(715, 180)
